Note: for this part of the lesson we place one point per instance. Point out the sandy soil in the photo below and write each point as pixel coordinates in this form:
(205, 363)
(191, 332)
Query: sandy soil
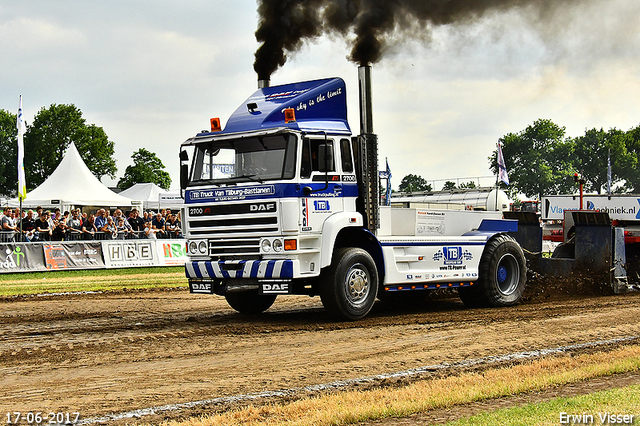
(110, 353)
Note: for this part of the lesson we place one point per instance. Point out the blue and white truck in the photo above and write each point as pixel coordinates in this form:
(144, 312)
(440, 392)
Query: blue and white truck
(285, 200)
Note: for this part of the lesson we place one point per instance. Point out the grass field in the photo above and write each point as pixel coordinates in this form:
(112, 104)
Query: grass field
(91, 280)
(615, 406)
(358, 406)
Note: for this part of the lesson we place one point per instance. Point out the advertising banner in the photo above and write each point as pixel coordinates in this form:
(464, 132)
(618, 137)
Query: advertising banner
(172, 252)
(72, 255)
(129, 253)
(21, 258)
(620, 207)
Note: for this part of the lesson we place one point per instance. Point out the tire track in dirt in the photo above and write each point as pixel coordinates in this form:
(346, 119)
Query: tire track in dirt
(116, 352)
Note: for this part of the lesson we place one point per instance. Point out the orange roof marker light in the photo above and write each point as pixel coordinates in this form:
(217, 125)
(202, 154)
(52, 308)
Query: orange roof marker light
(215, 125)
(289, 115)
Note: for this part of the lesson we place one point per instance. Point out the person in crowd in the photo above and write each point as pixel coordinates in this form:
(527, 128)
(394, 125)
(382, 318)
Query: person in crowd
(59, 232)
(149, 231)
(122, 228)
(136, 223)
(51, 220)
(110, 230)
(89, 228)
(43, 227)
(38, 212)
(100, 221)
(9, 228)
(178, 222)
(57, 215)
(171, 226)
(117, 214)
(28, 226)
(159, 225)
(74, 226)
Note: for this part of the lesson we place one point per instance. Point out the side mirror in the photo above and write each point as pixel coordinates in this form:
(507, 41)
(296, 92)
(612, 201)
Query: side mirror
(325, 157)
(184, 170)
(184, 176)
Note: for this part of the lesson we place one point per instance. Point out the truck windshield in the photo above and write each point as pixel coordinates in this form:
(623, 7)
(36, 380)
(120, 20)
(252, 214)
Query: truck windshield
(243, 160)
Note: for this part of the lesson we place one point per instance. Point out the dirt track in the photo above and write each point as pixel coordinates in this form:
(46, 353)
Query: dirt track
(112, 353)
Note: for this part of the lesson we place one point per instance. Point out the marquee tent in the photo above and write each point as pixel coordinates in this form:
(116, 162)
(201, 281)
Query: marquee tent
(73, 184)
(153, 197)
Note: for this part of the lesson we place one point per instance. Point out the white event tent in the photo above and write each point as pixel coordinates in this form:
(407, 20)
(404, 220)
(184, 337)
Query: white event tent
(73, 184)
(153, 197)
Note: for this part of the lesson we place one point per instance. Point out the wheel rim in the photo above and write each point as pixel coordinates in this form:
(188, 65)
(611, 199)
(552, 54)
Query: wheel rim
(508, 274)
(357, 284)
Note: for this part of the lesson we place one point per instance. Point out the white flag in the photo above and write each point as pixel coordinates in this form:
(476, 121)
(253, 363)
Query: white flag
(22, 181)
(502, 168)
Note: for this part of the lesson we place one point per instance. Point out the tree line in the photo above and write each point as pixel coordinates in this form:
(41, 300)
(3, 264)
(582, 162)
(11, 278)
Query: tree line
(542, 160)
(46, 140)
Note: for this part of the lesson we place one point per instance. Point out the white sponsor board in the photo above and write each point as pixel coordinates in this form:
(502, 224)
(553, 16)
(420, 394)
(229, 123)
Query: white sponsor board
(123, 254)
(133, 253)
(620, 207)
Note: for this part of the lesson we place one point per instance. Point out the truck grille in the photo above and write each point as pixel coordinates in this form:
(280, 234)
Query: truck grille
(234, 230)
(225, 249)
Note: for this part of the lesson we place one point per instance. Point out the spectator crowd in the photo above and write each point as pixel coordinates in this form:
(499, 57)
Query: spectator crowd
(44, 225)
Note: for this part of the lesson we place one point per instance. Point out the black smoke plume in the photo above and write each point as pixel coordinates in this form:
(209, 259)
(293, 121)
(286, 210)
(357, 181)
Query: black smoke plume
(368, 24)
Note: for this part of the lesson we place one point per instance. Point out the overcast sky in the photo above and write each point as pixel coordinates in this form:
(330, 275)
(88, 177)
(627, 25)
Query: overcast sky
(152, 73)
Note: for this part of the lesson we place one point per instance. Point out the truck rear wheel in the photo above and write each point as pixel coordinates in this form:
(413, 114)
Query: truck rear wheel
(502, 275)
(349, 287)
(249, 302)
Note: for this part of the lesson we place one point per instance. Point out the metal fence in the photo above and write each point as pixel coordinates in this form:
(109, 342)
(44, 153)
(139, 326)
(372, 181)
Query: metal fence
(75, 235)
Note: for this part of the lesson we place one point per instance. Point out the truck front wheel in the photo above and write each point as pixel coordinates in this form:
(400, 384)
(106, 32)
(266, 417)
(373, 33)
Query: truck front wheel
(349, 287)
(502, 275)
(249, 302)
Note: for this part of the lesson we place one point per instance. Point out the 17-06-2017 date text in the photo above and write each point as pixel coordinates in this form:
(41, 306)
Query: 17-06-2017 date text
(42, 418)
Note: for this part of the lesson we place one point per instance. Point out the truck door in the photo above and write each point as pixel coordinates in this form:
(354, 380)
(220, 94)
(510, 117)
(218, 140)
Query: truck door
(320, 170)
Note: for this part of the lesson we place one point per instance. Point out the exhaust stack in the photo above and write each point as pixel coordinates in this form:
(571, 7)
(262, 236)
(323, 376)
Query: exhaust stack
(263, 83)
(366, 104)
(368, 153)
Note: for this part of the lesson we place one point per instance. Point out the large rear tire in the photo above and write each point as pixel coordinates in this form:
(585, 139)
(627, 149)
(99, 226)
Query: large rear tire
(502, 275)
(348, 288)
(249, 302)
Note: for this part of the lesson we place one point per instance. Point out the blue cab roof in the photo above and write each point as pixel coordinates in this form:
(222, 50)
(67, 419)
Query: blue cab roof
(320, 105)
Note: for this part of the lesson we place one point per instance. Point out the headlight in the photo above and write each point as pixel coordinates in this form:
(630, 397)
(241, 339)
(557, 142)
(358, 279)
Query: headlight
(202, 247)
(277, 246)
(193, 247)
(266, 246)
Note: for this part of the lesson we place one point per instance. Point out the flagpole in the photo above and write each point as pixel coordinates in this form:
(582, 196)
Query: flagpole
(22, 182)
(502, 171)
(497, 181)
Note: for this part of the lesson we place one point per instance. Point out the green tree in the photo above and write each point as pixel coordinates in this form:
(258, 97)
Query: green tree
(629, 168)
(449, 186)
(538, 160)
(9, 157)
(469, 185)
(51, 132)
(592, 152)
(147, 168)
(412, 183)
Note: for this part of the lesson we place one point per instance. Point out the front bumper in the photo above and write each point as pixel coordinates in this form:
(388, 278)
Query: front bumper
(240, 269)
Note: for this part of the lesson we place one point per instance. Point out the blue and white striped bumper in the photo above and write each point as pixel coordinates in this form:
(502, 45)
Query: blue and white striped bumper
(240, 269)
